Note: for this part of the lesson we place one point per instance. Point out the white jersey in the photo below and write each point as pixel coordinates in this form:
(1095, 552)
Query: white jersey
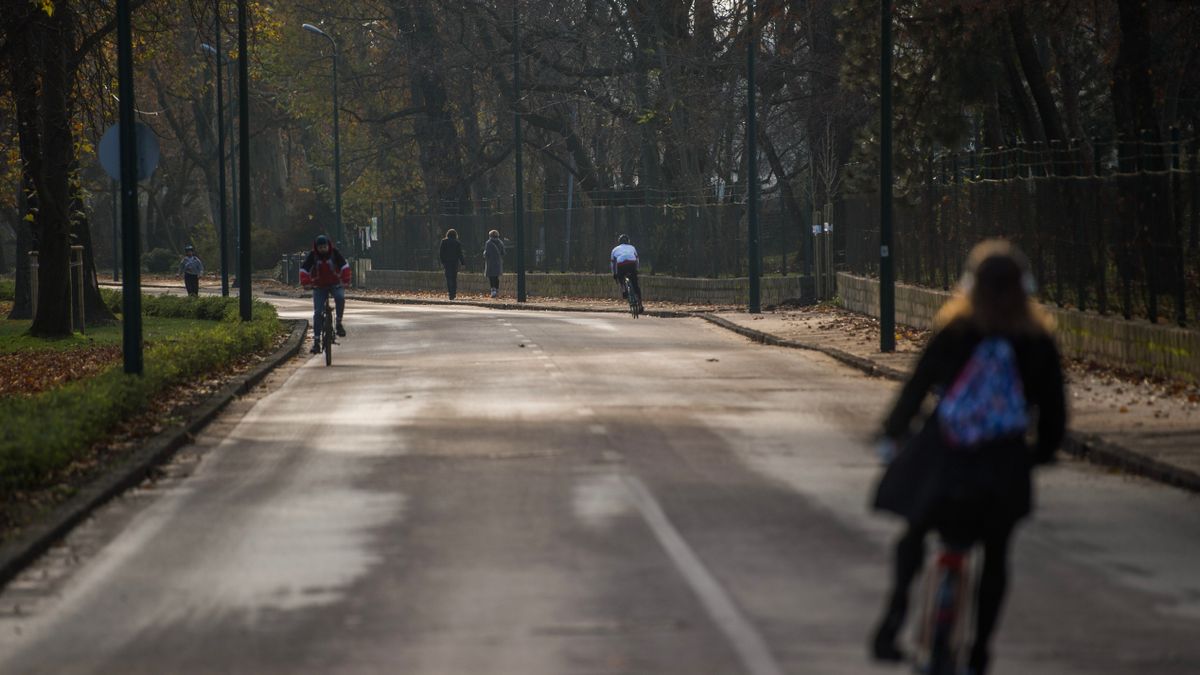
(624, 253)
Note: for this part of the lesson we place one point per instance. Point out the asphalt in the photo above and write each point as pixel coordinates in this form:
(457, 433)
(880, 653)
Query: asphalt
(474, 491)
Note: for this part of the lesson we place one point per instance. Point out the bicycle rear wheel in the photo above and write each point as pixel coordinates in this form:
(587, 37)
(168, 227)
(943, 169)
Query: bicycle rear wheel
(327, 337)
(947, 614)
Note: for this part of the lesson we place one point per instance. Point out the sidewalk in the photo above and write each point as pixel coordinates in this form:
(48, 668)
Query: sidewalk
(1148, 427)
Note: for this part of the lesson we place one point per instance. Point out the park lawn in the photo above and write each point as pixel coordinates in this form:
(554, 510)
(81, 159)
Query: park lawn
(46, 435)
(29, 365)
(14, 335)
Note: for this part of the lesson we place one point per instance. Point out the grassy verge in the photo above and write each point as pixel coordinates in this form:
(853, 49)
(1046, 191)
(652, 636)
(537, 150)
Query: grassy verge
(43, 434)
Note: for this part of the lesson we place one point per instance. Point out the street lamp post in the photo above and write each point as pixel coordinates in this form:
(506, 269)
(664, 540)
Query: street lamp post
(337, 153)
(245, 300)
(131, 296)
(887, 278)
(223, 228)
(230, 106)
(519, 196)
(752, 188)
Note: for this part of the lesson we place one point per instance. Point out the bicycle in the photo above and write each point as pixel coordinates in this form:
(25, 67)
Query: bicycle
(328, 337)
(944, 632)
(635, 303)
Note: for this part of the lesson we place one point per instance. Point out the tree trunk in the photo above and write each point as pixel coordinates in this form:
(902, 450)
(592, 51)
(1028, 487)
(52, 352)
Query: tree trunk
(52, 180)
(435, 130)
(1035, 75)
(95, 312)
(22, 303)
(787, 194)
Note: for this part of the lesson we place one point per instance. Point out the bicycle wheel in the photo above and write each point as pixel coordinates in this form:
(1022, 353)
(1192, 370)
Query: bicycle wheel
(327, 337)
(948, 612)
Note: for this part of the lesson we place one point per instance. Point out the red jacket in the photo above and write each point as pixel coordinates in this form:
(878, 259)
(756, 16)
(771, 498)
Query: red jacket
(325, 271)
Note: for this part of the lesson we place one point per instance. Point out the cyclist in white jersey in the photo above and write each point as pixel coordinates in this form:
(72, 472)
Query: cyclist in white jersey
(625, 265)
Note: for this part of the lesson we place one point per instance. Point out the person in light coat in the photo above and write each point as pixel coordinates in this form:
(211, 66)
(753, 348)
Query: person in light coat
(493, 259)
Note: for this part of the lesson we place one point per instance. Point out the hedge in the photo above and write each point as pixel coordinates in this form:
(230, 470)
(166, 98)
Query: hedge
(42, 434)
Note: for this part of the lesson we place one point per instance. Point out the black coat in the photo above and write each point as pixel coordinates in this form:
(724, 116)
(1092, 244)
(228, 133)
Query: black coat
(451, 253)
(927, 474)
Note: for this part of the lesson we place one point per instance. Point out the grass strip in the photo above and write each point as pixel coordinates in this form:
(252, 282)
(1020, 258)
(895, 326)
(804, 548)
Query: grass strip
(41, 435)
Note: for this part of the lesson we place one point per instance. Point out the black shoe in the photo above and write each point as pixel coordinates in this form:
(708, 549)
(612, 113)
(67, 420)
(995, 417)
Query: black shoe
(341, 331)
(977, 663)
(883, 645)
(316, 348)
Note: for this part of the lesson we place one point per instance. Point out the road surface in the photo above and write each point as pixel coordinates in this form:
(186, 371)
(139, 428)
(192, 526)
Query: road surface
(538, 493)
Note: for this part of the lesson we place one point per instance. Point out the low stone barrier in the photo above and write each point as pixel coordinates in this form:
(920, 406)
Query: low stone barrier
(774, 290)
(1132, 345)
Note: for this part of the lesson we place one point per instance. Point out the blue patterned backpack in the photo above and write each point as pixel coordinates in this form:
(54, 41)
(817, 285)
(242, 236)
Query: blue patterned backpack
(987, 400)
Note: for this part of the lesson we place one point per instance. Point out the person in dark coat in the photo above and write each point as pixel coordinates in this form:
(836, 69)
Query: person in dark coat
(976, 493)
(451, 255)
(493, 259)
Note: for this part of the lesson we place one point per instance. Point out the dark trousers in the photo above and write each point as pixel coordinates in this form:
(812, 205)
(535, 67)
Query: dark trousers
(629, 270)
(192, 283)
(962, 528)
(339, 307)
(494, 282)
(452, 280)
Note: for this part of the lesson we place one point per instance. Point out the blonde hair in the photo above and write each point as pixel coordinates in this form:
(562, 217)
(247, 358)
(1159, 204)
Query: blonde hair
(996, 293)
(494, 233)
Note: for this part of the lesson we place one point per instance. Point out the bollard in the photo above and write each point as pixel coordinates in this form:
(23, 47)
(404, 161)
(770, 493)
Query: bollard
(33, 282)
(76, 284)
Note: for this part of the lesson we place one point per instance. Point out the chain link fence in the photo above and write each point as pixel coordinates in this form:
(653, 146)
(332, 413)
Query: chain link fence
(678, 235)
(1108, 228)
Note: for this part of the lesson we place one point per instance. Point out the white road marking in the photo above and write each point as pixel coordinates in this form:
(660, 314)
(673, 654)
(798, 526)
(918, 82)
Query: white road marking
(750, 646)
(585, 412)
(598, 429)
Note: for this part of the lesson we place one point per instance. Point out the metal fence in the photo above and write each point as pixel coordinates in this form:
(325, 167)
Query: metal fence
(695, 237)
(1105, 231)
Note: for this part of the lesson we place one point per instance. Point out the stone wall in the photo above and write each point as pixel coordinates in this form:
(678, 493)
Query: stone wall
(1131, 345)
(774, 290)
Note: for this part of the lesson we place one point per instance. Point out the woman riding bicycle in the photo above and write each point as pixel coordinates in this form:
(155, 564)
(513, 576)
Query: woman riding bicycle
(967, 473)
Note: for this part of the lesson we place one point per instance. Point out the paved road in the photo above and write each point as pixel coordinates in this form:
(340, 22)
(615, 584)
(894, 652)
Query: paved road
(540, 493)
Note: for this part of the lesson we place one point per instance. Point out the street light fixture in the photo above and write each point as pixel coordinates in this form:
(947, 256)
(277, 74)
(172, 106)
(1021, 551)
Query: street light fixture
(215, 52)
(337, 153)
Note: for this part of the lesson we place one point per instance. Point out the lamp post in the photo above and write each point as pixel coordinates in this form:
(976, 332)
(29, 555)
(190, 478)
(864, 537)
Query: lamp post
(245, 301)
(222, 227)
(131, 296)
(519, 196)
(887, 278)
(235, 212)
(337, 153)
(755, 259)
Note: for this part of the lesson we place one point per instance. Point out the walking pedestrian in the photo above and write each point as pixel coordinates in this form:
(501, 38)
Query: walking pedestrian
(451, 255)
(190, 268)
(967, 473)
(493, 259)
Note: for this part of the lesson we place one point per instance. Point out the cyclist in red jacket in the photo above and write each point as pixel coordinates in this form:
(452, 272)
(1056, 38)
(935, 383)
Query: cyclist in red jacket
(325, 271)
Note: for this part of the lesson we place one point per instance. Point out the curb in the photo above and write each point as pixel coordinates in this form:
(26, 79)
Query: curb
(19, 553)
(661, 314)
(866, 365)
(1088, 447)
